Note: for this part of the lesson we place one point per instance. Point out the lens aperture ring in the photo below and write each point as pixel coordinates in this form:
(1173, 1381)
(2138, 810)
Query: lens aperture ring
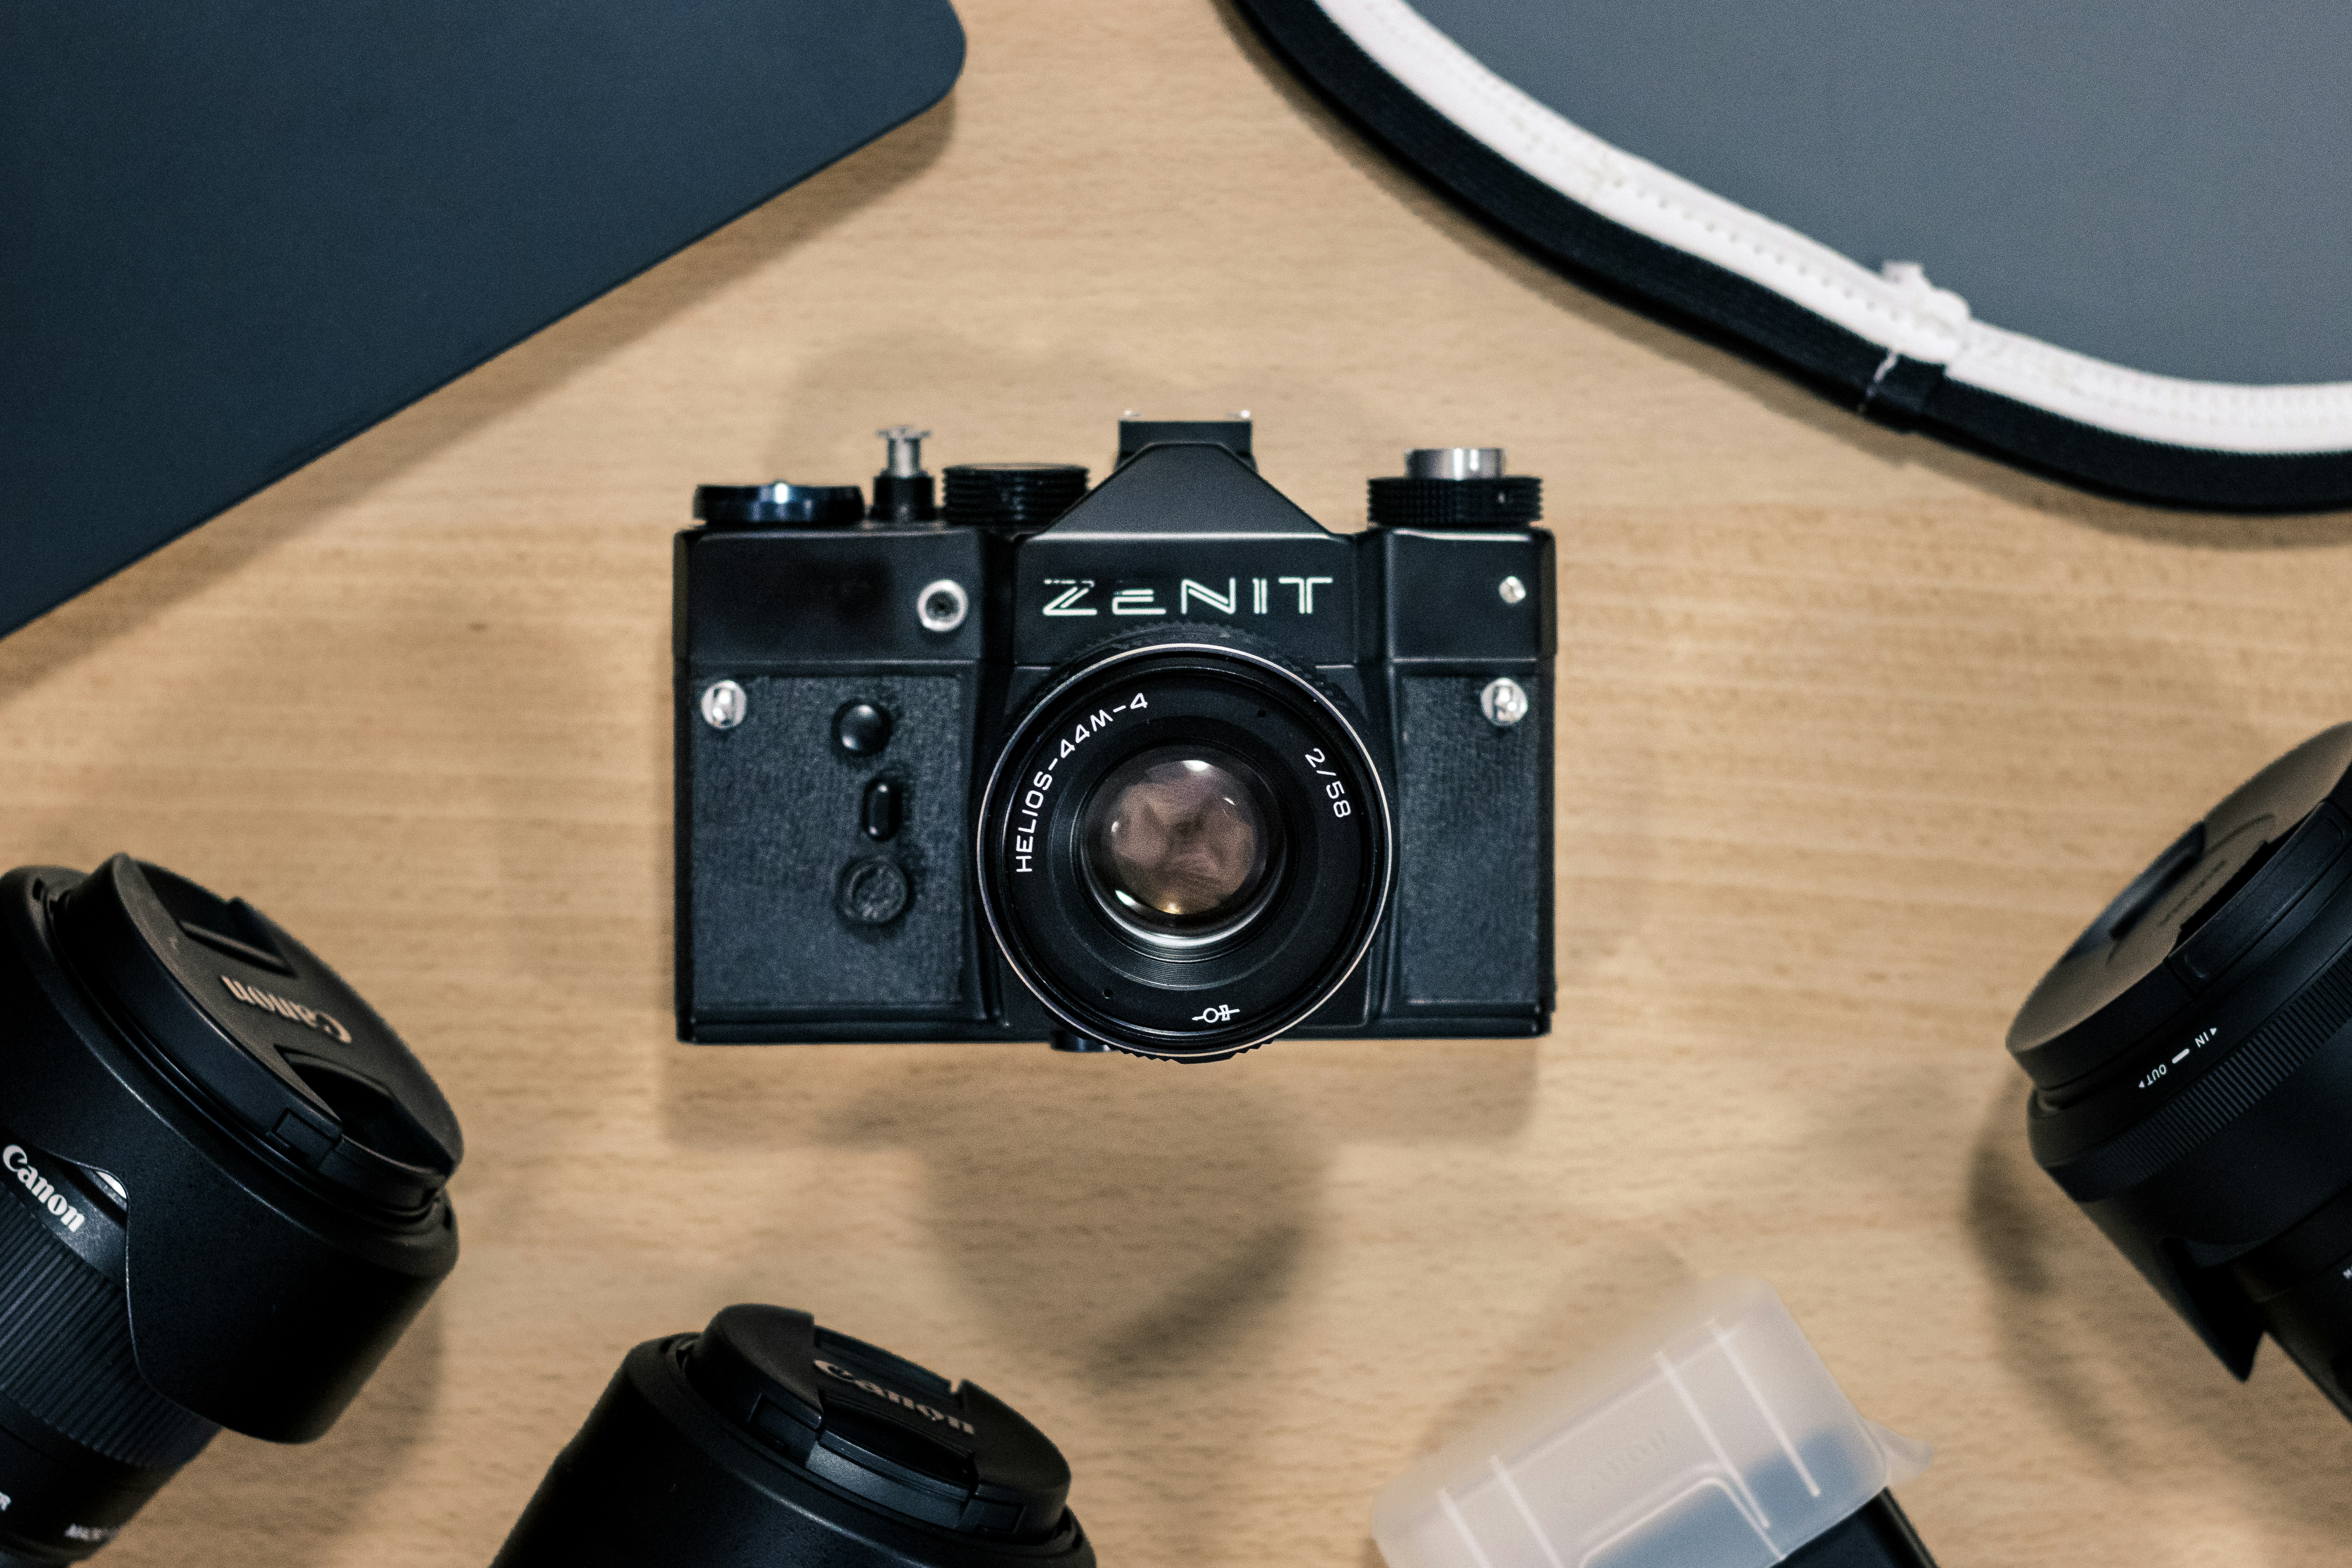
(65, 1355)
(2288, 1039)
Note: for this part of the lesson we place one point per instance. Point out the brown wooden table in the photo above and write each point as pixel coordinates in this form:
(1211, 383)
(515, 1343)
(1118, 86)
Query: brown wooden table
(1855, 733)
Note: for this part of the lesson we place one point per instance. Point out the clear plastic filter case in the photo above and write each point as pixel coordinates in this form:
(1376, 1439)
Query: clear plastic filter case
(1711, 1437)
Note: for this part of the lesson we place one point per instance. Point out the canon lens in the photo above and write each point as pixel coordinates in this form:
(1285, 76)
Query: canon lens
(767, 1442)
(224, 1201)
(2192, 1058)
(1184, 848)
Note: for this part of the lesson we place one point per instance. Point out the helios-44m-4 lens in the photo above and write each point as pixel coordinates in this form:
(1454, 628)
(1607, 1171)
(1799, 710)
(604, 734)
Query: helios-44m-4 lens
(1185, 847)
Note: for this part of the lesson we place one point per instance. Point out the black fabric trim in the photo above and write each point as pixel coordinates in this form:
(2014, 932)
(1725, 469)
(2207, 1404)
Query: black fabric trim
(2142, 469)
(1748, 318)
(1900, 391)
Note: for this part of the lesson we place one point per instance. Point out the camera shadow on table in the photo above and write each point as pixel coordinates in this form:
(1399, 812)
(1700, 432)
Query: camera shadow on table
(1134, 1231)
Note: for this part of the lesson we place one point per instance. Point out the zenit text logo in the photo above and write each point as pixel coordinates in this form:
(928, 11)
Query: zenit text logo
(309, 1017)
(1076, 597)
(895, 1397)
(19, 1164)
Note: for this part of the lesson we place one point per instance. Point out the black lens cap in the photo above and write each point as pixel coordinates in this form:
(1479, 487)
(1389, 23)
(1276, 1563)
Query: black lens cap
(252, 1022)
(2243, 875)
(757, 506)
(878, 1426)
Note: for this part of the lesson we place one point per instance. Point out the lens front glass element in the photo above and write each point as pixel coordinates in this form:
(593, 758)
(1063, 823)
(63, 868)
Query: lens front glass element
(1179, 841)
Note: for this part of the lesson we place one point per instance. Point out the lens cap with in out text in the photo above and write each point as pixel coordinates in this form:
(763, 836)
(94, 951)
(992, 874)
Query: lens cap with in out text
(879, 1427)
(2227, 895)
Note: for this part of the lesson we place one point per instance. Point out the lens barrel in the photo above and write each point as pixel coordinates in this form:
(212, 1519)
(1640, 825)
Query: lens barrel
(766, 1441)
(1298, 835)
(2191, 1056)
(224, 1199)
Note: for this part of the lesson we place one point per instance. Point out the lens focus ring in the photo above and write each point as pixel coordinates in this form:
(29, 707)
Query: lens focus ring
(65, 1353)
(2292, 1037)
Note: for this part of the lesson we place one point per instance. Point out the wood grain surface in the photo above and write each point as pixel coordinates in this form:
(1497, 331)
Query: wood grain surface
(1855, 732)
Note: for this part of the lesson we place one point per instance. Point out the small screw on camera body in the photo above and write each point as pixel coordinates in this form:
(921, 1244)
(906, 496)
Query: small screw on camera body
(724, 705)
(1504, 702)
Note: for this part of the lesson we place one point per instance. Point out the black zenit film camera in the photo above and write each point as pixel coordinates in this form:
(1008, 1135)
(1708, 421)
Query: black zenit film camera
(1167, 767)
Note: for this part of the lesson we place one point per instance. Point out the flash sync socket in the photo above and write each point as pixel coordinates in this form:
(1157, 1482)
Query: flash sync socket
(942, 606)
